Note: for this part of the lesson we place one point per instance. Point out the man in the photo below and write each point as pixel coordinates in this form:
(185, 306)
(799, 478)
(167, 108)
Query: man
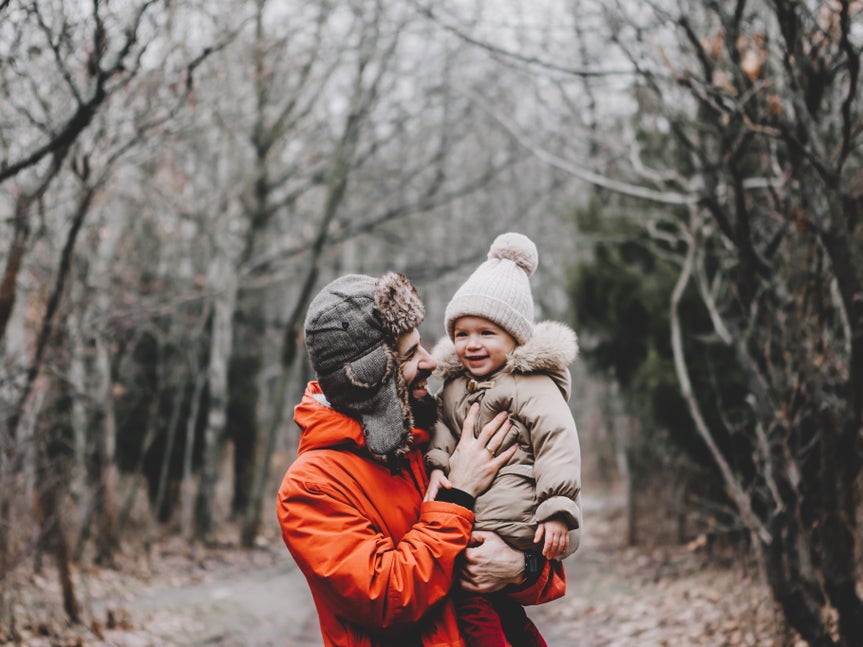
(379, 560)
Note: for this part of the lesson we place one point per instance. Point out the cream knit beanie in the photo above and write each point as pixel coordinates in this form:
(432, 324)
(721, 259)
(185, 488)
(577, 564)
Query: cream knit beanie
(499, 290)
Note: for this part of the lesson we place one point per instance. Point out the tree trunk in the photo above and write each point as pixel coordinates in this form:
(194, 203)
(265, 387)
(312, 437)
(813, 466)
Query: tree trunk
(106, 472)
(80, 394)
(51, 492)
(187, 499)
(244, 394)
(246, 360)
(224, 289)
(290, 342)
(161, 507)
(105, 497)
(8, 295)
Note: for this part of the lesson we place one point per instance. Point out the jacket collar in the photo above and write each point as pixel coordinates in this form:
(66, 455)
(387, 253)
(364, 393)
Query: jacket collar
(322, 427)
(551, 349)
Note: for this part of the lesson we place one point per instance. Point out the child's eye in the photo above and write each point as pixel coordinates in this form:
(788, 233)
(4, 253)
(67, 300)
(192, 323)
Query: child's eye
(460, 334)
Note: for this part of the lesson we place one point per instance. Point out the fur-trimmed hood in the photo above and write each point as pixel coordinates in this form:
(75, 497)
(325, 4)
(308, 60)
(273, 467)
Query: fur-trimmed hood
(551, 349)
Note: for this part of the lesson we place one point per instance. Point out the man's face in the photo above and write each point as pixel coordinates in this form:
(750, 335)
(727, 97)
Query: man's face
(416, 364)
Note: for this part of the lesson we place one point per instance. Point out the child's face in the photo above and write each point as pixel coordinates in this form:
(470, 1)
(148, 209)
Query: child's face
(480, 345)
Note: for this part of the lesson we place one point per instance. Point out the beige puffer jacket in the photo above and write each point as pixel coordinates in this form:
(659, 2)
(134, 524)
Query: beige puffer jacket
(543, 479)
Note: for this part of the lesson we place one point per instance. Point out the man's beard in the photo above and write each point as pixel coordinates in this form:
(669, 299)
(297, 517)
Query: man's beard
(424, 411)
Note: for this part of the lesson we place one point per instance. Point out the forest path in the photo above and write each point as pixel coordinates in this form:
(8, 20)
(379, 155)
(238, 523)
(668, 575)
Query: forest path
(670, 595)
(234, 606)
(616, 596)
(265, 607)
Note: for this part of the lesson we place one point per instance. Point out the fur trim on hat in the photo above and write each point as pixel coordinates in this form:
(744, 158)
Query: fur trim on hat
(553, 347)
(403, 392)
(398, 304)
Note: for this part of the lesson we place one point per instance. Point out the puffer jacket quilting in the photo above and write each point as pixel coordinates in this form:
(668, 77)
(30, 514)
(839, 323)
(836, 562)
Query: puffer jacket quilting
(543, 479)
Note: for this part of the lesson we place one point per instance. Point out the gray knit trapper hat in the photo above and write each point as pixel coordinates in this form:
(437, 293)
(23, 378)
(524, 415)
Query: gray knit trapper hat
(499, 290)
(351, 329)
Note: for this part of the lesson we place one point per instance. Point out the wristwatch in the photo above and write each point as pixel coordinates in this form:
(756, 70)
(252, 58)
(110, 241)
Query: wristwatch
(532, 567)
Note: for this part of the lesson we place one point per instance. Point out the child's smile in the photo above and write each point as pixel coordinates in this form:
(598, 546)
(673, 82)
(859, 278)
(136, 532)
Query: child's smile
(481, 346)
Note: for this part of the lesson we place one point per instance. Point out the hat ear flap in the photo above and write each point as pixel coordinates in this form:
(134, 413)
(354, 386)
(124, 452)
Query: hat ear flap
(382, 422)
(370, 370)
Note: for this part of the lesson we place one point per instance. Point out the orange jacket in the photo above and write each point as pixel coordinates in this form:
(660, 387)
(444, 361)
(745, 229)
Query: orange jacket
(379, 561)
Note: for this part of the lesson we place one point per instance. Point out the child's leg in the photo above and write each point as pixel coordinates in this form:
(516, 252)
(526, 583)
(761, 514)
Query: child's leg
(519, 630)
(477, 620)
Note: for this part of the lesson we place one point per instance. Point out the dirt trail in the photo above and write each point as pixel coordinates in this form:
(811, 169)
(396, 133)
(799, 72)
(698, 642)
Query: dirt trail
(263, 606)
(268, 607)
(616, 596)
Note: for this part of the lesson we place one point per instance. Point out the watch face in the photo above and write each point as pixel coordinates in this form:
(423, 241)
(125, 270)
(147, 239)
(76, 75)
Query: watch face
(531, 564)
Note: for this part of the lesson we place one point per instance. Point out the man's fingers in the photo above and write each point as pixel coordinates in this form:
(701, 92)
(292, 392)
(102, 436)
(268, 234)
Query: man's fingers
(468, 585)
(491, 427)
(467, 429)
(499, 436)
(501, 459)
(478, 537)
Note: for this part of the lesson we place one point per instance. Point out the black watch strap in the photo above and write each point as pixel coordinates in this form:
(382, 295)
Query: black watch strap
(533, 564)
(454, 495)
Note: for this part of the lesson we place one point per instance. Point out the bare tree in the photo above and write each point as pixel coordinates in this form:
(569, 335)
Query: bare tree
(80, 60)
(756, 105)
(777, 91)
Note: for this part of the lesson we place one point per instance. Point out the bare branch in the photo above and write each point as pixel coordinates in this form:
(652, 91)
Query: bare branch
(596, 179)
(86, 109)
(734, 487)
(531, 61)
(852, 57)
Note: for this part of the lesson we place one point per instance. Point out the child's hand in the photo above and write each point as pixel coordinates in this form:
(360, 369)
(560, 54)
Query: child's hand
(556, 535)
(437, 480)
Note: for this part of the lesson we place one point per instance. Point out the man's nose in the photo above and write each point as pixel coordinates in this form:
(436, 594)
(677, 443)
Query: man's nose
(426, 362)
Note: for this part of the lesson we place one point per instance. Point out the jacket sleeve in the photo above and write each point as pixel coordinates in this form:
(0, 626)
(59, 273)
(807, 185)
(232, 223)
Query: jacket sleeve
(551, 585)
(557, 455)
(441, 447)
(373, 582)
(443, 440)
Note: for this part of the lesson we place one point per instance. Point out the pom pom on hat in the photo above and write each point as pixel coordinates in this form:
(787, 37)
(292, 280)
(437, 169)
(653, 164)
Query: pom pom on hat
(498, 290)
(517, 248)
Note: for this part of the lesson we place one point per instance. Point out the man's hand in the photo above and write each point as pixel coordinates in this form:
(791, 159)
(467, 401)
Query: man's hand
(556, 534)
(437, 480)
(490, 564)
(473, 465)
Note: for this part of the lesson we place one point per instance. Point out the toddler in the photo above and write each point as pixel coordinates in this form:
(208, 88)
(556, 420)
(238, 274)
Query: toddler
(496, 356)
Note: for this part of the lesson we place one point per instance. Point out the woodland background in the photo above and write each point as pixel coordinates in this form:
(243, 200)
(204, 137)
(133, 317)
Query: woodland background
(178, 178)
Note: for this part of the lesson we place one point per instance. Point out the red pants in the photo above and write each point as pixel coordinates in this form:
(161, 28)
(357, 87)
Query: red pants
(494, 621)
